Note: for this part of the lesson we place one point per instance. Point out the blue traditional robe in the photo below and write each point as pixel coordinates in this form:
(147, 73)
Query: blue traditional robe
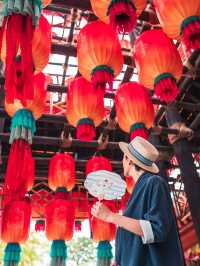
(150, 201)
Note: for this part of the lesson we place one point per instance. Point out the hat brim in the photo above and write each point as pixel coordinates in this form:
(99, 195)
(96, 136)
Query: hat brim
(124, 147)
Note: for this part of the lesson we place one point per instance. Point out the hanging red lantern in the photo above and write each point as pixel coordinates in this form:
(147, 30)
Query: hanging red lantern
(98, 163)
(134, 109)
(99, 55)
(15, 229)
(85, 108)
(103, 233)
(60, 217)
(61, 171)
(180, 18)
(20, 172)
(158, 63)
(19, 72)
(24, 112)
(121, 14)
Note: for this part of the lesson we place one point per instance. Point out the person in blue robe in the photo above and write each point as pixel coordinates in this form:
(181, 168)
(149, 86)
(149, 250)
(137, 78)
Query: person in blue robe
(147, 233)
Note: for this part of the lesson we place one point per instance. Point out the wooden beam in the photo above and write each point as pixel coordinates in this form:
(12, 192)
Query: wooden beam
(80, 4)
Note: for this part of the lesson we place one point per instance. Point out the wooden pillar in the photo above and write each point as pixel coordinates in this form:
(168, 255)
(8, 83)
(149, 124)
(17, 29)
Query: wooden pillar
(188, 170)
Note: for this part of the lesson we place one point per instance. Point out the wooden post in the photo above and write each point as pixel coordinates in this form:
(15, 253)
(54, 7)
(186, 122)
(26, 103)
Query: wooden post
(188, 170)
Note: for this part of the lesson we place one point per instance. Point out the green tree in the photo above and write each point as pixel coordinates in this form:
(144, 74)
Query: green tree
(82, 251)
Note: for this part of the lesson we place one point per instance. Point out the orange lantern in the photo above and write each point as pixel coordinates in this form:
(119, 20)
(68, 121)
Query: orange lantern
(60, 220)
(20, 62)
(15, 228)
(60, 217)
(103, 233)
(158, 63)
(99, 53)
(98, 163)
(121, 14)
(134, 109)
(41, 45)
(20, 171)
(85, 108)
(24, 112)
(61, 171)
(180, 18)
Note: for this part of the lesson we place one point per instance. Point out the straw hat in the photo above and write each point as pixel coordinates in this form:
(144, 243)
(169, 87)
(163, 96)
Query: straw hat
(142, 153)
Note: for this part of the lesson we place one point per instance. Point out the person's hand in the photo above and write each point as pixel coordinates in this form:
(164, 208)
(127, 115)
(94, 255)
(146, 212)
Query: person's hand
(100, 211)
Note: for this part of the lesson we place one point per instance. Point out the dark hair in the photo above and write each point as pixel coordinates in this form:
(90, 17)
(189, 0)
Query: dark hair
(138, 168)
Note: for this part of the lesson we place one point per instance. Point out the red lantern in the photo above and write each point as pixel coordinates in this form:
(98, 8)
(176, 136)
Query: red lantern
(16, 221)
(61, 171)
(121, 14)
(134, 109)
(103, 231)
(20, 172)
(99, 54)
(22, 62)
(180, 18)
(85, 108)
(60, 218)
(158, 63)
(98, 163)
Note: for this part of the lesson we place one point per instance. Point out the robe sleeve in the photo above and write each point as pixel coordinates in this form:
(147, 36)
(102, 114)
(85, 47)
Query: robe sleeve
(157, 221)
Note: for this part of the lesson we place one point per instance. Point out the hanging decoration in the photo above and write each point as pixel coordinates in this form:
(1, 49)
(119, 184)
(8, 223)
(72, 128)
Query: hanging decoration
(19, 85)
(61, 171)
(20, 171)
(85, 108)
(60, 217)
(120, 14)
(99, 55)
(15, 228)
(40, 225)
(25, 112)
(134, 109)
(180, 18)
(98, 163)
(103, 233)
(158, 64)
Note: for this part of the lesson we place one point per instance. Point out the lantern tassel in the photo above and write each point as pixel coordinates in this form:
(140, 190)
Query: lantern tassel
(23, 126)
(85, 129)
(165, 87)
(104, 253)
(122, 14)
(190, 31)
(138, 129)
(102, 75)
(12, 254)
(58, 253)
